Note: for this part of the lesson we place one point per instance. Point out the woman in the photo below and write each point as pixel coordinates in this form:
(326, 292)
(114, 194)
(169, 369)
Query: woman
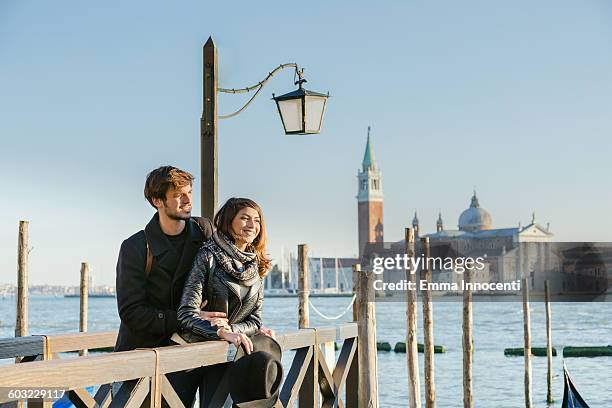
(228, 274)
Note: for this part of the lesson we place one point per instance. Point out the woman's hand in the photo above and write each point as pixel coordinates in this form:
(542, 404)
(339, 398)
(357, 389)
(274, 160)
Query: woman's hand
(267, 332)
(237, 339)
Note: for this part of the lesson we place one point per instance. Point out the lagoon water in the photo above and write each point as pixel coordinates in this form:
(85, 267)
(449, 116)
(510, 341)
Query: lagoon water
(498, 380)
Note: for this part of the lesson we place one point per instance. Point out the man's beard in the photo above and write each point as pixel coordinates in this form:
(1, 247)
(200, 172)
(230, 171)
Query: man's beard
(176, 216)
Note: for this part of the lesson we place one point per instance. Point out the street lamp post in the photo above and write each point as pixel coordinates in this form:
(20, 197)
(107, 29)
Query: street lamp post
(209, 157)
(301, 113)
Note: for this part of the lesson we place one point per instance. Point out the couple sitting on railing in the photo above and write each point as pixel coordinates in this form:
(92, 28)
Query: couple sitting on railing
(182, 281)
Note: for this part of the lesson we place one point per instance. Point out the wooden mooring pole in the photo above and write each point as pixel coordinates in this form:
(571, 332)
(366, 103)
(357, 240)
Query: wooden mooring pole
(468, 342)
(527, 347)
(549, 348)
(21, 323)
(21, 319)
(352, 381)
(430, 384)
(356, 274)
(308, 395)
(84, 296)
(412, 356)
(303, 287)
(366, 341)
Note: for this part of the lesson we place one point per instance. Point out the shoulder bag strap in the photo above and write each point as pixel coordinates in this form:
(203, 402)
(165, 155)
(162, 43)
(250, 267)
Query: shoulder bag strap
(149, 262)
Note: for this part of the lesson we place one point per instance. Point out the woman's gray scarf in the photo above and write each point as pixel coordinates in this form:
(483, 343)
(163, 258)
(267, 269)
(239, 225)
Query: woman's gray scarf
(241, 265)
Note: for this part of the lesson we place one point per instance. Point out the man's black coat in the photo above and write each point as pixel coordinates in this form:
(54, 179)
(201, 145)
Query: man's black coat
(147, 305)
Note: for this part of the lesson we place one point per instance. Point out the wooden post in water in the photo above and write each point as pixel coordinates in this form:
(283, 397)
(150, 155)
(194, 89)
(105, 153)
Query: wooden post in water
(414, 387)
(549, 397)
(356, 274)
(21, 323)
(468, 342)
(329, 349)
(527, 349)
(430, 384)
(308, 395)
(352, 380)
(368, 360)
(21, 320)
(303, 287)
(84, 296)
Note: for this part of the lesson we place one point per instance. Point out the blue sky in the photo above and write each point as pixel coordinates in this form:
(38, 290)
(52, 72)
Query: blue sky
(511, 97)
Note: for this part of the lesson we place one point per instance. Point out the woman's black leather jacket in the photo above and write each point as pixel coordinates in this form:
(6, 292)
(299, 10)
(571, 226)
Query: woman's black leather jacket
(207, 280)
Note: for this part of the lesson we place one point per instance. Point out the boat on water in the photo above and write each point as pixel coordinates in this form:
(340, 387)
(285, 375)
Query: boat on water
(571, 397)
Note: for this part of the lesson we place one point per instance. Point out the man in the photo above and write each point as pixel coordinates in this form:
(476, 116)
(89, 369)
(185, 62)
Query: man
(151, 272)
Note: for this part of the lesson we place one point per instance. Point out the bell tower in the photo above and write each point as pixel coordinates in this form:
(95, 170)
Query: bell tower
(369, 199)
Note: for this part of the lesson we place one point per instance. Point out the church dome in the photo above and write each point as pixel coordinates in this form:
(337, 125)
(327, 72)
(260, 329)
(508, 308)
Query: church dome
(475, 218)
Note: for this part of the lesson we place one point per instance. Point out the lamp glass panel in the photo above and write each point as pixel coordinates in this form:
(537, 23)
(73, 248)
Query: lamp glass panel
(315, 106)
(291, 112)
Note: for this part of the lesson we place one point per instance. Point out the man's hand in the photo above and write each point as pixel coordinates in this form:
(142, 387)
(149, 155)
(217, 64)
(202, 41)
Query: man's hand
(215, 318)
(267, 332)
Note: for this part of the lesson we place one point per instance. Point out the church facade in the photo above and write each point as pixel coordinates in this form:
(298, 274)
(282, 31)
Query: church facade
(509, 253)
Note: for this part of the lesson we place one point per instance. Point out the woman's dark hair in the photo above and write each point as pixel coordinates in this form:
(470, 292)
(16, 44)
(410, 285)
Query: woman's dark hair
(223, 222)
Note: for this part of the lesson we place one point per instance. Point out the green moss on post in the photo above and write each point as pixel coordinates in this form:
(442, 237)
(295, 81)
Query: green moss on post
(437, 349)
(535, 351)
(400, 347)
(603, 351)
(541, 351)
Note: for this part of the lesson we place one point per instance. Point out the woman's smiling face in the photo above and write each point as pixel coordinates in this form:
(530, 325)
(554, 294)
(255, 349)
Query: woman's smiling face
(246, 225)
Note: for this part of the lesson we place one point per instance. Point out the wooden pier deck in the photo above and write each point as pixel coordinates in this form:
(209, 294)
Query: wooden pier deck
(310, 379)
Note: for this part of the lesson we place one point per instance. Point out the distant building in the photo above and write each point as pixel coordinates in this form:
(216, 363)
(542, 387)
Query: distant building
(327, 275)
(369, 199)
(475, 223)
(507, 251)
(331, 275)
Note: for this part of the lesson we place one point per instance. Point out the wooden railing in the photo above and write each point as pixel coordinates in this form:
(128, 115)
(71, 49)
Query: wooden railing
(311, 379)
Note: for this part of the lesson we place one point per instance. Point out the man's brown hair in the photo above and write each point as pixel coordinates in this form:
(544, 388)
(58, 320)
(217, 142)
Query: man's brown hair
(160, 180)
